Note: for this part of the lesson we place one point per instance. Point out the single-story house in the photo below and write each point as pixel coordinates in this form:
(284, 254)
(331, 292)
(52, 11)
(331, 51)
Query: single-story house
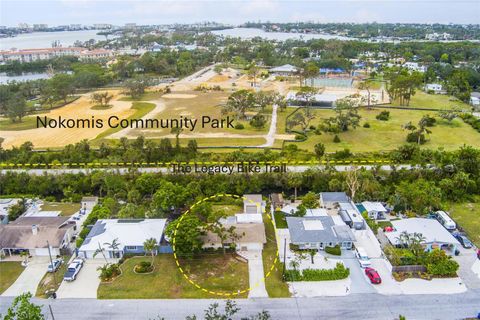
(330, 200)
(277, 201)
(130, 234)
(319, 232)
(253, 203)
(435, 235)
(437, 88)
(31, 234)
(285, 70)
(375, 210)
(475, 99)
(251, 237)
(351, 216)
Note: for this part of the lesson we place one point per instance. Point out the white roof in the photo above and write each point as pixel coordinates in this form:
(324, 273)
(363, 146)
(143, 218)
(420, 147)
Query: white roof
(316, 212)
(249, 218)
(290, 208)
(127, 232)
(313, 225)
(43, 214)
(319, 97)
(373, 206)
(430, 229)
(284, 68)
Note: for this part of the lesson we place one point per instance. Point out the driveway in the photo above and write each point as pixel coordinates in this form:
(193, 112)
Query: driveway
(359, 282)
(86, 284)
(256, 275)
(467, 260)
(30, 278)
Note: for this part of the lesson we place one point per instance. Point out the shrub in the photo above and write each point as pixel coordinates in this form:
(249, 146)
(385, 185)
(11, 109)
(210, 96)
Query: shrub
(383, 116)
(337, 273)
(239, 126)
(109, 271)
(342, 154)
(413, 137)
(336, 251)
(143, 267)
(336, 139)
(366, 125)
(439, 264)
(299, 137)
(428, 120)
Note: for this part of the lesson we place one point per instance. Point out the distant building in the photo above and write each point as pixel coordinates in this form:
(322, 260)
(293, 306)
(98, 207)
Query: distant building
(414, 66)
(39, 27)
(438, 36)
(30, 55)
(102, 26)
(437, 88)
(285, 70)
(130, 26)
(475, 99)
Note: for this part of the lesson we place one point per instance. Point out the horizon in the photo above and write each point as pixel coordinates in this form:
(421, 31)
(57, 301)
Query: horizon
(88, 12)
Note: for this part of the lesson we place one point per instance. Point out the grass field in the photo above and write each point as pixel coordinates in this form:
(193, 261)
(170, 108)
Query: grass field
(217, 273)
(435, 101)
(274, 283)
(9, 271)
(467, 216)
(29, 122)
(48, 281)
(223, 142)
(389, 135)
(67, 209)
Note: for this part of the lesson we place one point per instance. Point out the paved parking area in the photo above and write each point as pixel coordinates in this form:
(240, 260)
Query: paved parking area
(30, 278)
(86, 284)
(467, 261)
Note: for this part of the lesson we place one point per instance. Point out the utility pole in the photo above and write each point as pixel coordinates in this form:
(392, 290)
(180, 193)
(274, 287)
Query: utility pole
(51, 263)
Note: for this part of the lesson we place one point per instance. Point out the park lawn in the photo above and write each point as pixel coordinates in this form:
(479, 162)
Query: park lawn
(218, 273)
(223, 142)
(147, 96)
(466, 215)
(66, 208)
(141, 109)
(276, 287)
(435, 101)
(48, 282)
(9, 271)
(389, 135)
(27, 123)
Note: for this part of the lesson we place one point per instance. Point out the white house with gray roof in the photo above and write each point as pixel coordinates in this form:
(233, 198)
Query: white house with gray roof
(319, 232)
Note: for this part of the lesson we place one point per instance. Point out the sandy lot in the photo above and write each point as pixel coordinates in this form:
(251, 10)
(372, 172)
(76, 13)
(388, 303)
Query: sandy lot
(179, 96)
(57, 137)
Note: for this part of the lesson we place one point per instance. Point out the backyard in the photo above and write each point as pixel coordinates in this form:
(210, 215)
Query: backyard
(467, 216)
(10, 271)
(66, 208)
(219, 273)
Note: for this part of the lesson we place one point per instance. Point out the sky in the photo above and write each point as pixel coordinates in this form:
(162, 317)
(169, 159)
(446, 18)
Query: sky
(61, 12)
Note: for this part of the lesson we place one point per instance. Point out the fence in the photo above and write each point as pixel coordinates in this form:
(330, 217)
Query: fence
(412, 268)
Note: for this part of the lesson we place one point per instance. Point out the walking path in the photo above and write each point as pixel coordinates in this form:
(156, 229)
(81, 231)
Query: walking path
(270, 137)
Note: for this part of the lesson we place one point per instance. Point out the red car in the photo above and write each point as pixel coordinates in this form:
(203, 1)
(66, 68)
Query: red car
(373, 275)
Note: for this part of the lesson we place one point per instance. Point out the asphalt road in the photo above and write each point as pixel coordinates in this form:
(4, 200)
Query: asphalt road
(353, 306)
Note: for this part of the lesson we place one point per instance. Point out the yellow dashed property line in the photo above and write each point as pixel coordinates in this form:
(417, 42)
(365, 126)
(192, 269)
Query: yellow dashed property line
(196, 284)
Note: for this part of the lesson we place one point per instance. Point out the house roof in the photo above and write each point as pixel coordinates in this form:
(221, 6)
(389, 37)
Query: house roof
(316, 212)
(475, 94)
(431, 229)
(374, 206)
(284, 68)
(249, 232)
(253, 199)
(128, 232)
(277, 197)
(249, 218)
(19, 233)
(334, 197)
(318, 229)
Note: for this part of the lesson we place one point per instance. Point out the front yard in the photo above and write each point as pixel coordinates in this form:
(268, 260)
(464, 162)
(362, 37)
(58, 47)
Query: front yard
(216, 272)
(49, 283)
(9, 271)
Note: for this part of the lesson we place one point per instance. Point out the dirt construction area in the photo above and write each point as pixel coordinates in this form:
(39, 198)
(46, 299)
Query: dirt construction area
(58, 137)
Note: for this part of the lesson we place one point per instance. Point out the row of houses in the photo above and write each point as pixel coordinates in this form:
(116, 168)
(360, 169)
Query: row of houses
(31, 55)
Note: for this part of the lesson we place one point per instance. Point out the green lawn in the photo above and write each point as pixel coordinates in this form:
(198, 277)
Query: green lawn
(229, 209)
(9, 271)
(218, 273)
(66, 208)
(27, 123)
(389, 135)
(435, 101)
(274, 283)
(280, 220)
(48, 281)
(467, 216)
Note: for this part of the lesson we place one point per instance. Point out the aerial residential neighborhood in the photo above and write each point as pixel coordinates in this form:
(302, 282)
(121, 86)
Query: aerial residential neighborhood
(239, 160)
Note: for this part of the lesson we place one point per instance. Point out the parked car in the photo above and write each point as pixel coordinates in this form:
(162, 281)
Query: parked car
(373, 275)
(467, 244)
(362, 257)
(73, 269)
(52, 267)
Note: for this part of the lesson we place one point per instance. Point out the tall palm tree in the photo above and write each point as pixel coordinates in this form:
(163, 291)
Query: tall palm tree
(151, 245)
(100, 250)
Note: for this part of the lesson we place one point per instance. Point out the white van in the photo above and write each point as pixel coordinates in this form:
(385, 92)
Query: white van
(362, 257)
(446, 221)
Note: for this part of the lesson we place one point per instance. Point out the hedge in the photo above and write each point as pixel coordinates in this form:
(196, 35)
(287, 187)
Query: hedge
(336, 251)
(339, 272)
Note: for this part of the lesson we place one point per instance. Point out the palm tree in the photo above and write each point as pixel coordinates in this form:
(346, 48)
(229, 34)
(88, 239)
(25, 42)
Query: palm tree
(100, 250)
(114, 245)
(151, 245)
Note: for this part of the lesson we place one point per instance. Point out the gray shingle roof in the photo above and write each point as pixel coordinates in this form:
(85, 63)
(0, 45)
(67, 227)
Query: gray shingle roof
(334, 197)
(329, 233)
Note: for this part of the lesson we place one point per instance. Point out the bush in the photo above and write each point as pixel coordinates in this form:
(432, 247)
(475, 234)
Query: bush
(439, 264)
(383, 116)
(336, 139)
(366, 125)
(109, 271)
(342, 154)
(336, 251)
(413, 137)
(239, 126)
(143, 267)
(339, 272)
(429, 121)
